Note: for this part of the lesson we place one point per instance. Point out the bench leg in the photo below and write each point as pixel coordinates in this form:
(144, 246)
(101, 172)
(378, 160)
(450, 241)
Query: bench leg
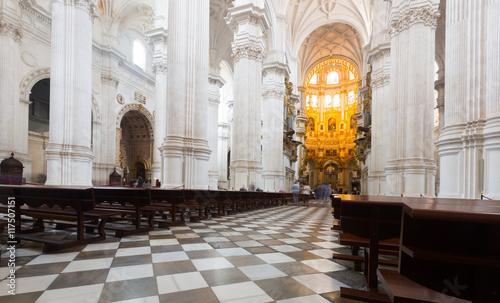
(354, 252)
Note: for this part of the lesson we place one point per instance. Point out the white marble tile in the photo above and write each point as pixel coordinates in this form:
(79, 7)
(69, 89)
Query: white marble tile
(327, 244)
(328, 238)
(130, 272)
(29, 284)
(229, 252)
(158, 242)
(211, 263)
(152, 299)
(320, 283)
(261, 272)
(196, 246)
(305, 299)
(133, 251)
(324, 253)
(216, 239)
(83, 265)
(187, 236)
(169, 257)
(292, 241)
(285, 248)
(260, 237)
(218, 226)
(53, 258)
(82, 294)
(323, 265)
(180, 282)
(241, 292)
(275, 258)
(250, 225)
(23, 252)
(231, 233)
(297, 235)
(251, 243)
(242, 229)
(205, 230)
(268, 232)
(181, 227)
(102, 246)
(135, 238)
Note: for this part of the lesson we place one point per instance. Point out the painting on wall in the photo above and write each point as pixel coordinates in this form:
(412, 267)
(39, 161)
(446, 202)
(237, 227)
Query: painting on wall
(310, 125)
(332, 124)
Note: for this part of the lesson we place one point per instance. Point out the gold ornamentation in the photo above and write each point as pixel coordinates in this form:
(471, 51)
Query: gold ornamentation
(140, 98)
(120, 99)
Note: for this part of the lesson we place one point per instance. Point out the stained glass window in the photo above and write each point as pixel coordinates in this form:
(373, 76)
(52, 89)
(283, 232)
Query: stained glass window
(139, 54)
(336, 100)
(314, 101)
(314, 79)
(328, 101)
(351, 98)
(333, 78)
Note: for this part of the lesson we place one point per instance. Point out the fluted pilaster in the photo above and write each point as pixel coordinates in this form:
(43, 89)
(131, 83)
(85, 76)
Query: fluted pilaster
(215, 82)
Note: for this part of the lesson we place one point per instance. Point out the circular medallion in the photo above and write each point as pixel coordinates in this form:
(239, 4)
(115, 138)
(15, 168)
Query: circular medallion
(119, 98)
(29, 59)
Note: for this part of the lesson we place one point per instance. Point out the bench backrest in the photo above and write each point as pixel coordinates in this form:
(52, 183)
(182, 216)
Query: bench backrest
(116, 195)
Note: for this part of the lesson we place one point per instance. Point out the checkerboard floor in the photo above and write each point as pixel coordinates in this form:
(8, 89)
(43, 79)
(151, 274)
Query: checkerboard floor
(280, 254)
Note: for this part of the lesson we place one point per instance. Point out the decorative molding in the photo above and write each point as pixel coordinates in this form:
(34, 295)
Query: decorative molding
(29, 59)
(380, 79)
(30, 80)
(252, 48)
(41, 16)
(140, 98)
(137, 107)
(406, 16)
(109, 80)
(121, 100)
(274, 93)
(160, 66)
(88, 5)
(12, 30)
(327, 7)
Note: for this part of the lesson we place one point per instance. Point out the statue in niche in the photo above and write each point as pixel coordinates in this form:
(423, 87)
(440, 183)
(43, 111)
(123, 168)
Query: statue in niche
(310, 125)
(353, 122)
(332, 124)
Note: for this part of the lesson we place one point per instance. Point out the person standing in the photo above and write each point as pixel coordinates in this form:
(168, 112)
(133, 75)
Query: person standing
(296, 191)
(306, 191)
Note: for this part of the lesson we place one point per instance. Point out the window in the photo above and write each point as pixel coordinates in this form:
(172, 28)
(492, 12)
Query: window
(308, 100)
(333, 78)
(328, 101)
(351, 98)
(351, 76)
(139, 55)
(314, 101)
(314, 79)
(336, 100)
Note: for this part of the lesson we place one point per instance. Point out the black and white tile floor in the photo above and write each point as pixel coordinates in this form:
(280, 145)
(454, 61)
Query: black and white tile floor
(281, 255)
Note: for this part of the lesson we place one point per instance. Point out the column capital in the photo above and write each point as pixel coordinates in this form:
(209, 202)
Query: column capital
(7, 28)
(408, 14)
(251, 48)
(160, 66)
(89, 5)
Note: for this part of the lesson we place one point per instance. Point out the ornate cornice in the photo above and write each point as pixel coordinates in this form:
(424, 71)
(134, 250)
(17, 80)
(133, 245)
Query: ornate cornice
(380, 79)
(42, 16)
(274, 93)
(88, 5)
(252, 49)
(405, 16)
(12, 30)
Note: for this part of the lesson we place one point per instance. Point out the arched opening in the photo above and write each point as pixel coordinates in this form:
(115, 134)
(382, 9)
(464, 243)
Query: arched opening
(38, 129)
(136, 147)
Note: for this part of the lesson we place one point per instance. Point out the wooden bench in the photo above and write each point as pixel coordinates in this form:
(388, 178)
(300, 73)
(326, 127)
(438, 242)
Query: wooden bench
(172, 201)
(133, 204)
(74, 206)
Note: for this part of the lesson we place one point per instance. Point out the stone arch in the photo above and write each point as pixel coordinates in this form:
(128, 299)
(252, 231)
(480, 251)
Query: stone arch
(140, 108)
(30, 80)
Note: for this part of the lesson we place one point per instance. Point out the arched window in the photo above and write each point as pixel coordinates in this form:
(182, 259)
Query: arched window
(328, 101)
(139, 55)
(336, 100)
(308, 100)
(314, 101)
(351, 76)
(333, 78)
(314, 79)
(351, 98)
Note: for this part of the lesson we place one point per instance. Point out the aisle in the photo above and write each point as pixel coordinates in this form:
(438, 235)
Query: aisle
(271, 255)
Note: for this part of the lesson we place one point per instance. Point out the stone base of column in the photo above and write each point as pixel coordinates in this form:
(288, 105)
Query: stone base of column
(101, 172)
(376, 183)
(201, 159)
(273, 181)
(411, 177)
(243, 174)
(173, 163)
(223, 184)
(68, 165)
(213, 179)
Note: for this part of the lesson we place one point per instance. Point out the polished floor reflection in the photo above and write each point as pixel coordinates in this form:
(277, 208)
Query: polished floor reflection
(271, 255)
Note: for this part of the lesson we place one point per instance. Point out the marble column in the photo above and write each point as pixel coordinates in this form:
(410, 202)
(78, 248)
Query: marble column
(185, 151)
(380, 58)
(249, 22)
(492, 125)
(14, 127)
(273, 174)
(215, 83)
(224, 130)
(411, 168)
(159, 38)
(68, 153)
(469, 142)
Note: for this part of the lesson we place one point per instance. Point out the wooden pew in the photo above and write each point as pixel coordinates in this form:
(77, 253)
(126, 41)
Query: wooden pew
(75, 206)
(132, 203)
(172, 200)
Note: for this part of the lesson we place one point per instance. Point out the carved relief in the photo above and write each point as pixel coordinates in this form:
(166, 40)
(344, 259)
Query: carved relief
(327, 6)
(408, 16)
(11, 30)
(160, 66)
(251, 49)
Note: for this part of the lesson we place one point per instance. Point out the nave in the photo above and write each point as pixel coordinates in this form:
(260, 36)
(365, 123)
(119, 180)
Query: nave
(269, 255)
